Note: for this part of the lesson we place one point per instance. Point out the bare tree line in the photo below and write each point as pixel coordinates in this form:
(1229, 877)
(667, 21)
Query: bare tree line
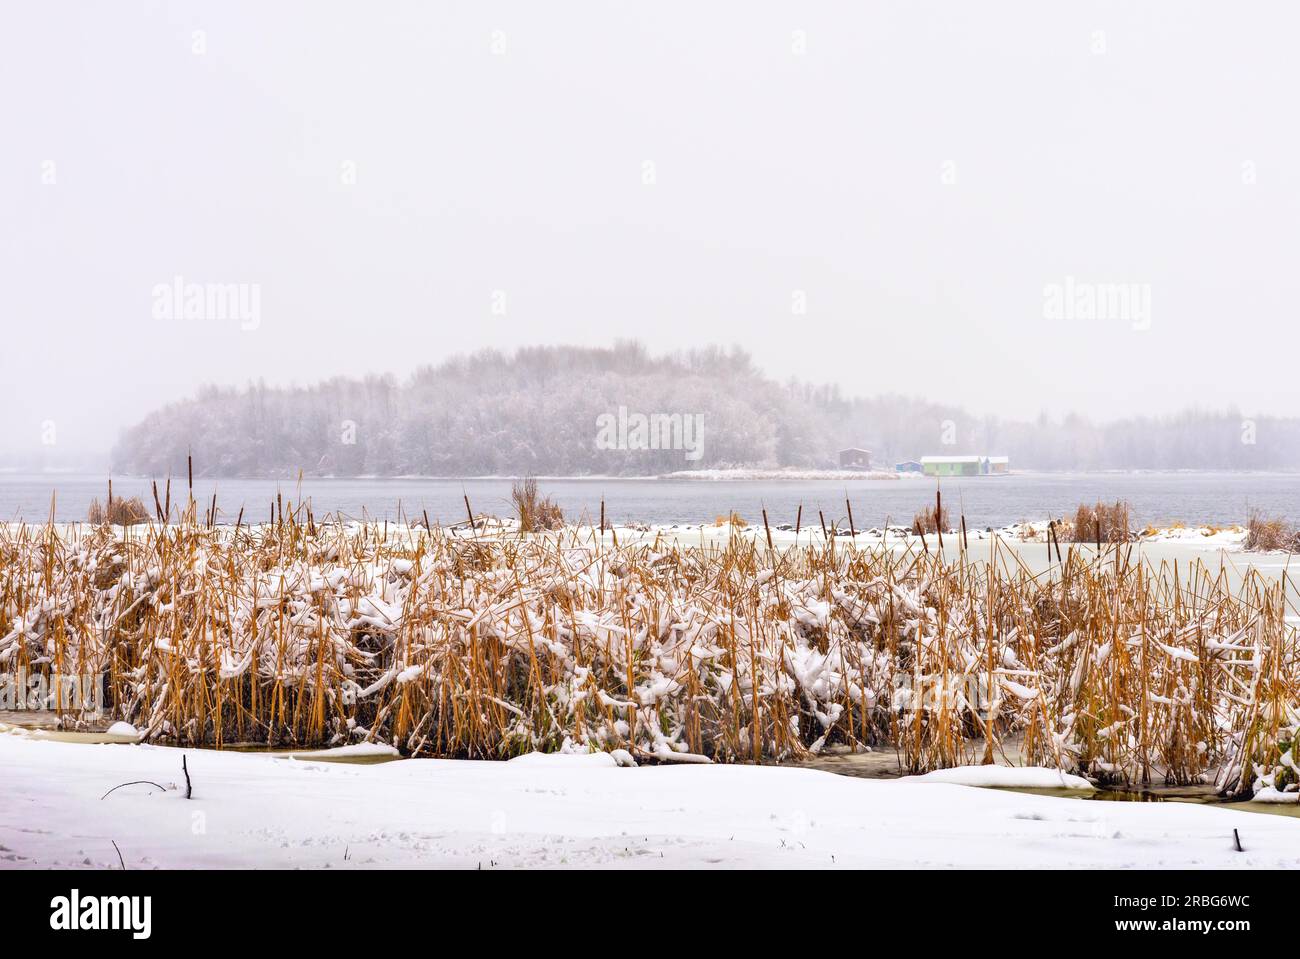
(535, 411)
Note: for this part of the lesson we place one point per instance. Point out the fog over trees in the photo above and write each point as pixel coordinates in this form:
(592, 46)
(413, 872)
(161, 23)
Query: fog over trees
(537, 411)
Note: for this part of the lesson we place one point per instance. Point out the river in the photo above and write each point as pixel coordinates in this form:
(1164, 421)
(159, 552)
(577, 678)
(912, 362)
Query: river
(1156, 498)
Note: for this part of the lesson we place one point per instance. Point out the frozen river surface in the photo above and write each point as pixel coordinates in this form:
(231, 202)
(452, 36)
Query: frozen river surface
(1157, 498)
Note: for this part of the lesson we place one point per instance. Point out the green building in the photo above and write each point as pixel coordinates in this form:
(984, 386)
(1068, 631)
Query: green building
(964, 465)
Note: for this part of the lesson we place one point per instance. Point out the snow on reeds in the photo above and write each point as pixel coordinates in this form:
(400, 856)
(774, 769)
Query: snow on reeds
(470, 643)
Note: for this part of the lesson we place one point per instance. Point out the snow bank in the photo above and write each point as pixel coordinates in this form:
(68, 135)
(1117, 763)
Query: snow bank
(1226, 538)
(1221, 537)
(566, 760)
(1005, 777)
(354, 751)
(570, 811)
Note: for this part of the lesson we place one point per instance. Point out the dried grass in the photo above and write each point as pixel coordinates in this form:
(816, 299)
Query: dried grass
(931, 520)
(1270, 535)
(536, 512)
(482, 644)
(1102, 522)
(120, 512)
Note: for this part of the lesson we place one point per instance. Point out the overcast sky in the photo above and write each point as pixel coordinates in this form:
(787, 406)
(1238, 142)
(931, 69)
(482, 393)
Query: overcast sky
(402, 182)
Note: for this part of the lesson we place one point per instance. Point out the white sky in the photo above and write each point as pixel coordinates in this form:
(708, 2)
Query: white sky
(522, 171)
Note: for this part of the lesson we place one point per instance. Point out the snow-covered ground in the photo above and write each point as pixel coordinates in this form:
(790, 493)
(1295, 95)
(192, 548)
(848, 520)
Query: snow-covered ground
(253, 809)
(1197, 541)
(1189, 541)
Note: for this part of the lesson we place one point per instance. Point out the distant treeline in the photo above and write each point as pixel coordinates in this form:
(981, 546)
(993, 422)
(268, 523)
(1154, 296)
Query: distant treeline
(539, 411)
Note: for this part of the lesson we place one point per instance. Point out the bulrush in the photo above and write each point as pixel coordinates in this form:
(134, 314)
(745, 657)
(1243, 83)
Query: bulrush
(488, 642)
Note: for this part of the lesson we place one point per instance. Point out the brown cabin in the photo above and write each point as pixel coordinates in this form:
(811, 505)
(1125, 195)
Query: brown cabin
(855, 459)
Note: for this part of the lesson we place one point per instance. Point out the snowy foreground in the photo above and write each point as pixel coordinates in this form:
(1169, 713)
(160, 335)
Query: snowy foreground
(255, 810)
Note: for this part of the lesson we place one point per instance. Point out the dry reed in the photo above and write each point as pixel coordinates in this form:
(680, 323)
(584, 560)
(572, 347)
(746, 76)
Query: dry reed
(536, 512)
(932, 519)
(1269, 534)
(478, 644)
(1100, 523)
(120, 512)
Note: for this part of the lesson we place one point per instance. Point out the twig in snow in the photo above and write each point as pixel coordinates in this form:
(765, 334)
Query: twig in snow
(1237, 840)
(135, 782)
(119, 856)
(186, 771)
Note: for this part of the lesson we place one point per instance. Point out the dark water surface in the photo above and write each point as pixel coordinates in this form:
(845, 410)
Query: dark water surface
(1156, 498)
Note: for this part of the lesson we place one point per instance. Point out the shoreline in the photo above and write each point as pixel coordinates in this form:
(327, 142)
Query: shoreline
(738, 474)
(1227, 538)
(579, 812)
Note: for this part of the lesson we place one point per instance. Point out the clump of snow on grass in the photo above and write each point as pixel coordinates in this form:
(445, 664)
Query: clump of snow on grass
(1271, 795)
(124, 730)
(1005, 777)
(1279, 781)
